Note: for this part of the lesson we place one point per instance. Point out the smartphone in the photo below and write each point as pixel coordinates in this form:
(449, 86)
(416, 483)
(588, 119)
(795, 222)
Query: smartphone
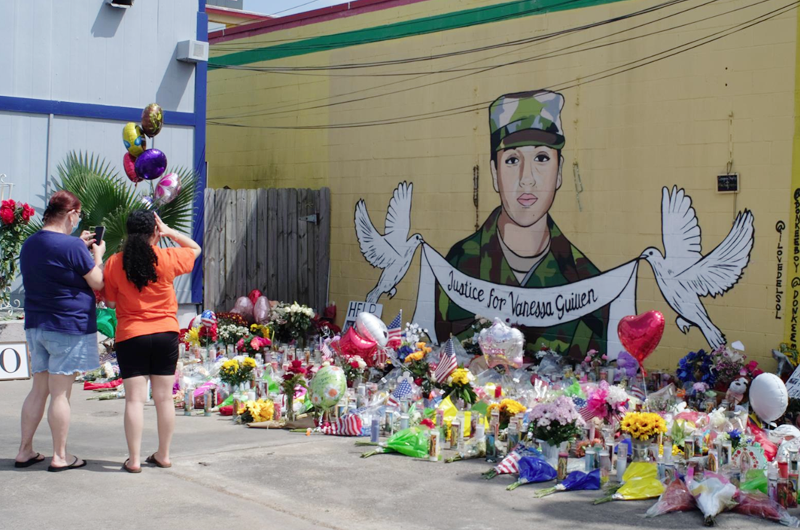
(99, 233)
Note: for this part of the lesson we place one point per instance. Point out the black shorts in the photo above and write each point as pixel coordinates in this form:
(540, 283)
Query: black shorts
(155, 354)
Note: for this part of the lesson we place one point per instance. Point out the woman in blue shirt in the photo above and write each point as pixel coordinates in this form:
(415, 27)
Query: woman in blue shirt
(59, 272)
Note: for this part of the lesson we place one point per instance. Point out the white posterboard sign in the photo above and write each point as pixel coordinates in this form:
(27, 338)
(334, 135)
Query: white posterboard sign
(793, 384)
(354, 308)
(14, 361)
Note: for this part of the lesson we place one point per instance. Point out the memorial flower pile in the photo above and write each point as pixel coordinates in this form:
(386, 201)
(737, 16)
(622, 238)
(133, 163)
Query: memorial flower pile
(237, 370)
(643, 425)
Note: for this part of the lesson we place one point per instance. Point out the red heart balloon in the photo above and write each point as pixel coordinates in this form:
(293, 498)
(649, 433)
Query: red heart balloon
(640, 334)
(254, 295)
(352, 344)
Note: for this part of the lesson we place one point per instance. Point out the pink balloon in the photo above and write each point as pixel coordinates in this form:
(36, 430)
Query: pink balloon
(129, 165)
(244, 307)
(640, 334)
(261, 310)
(352, 344)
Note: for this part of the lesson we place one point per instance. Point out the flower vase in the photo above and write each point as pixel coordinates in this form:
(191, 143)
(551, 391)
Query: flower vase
(289, 413)
(550, 453)
(641, 451)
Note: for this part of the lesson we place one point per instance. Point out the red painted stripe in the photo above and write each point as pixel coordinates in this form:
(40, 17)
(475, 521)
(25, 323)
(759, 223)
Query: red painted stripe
(324, 14)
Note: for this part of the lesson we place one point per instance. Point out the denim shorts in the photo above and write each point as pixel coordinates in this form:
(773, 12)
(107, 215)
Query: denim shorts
(61, 353)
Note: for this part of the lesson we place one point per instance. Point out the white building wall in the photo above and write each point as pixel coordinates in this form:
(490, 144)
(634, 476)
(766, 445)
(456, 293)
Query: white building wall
(86, 52)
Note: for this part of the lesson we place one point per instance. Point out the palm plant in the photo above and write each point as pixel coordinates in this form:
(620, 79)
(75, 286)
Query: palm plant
(107, 198)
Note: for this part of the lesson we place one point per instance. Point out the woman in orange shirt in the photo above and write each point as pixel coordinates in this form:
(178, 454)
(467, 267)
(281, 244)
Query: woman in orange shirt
(138, 282)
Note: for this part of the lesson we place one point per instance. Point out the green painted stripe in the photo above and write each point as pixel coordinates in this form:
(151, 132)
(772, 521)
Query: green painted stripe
(399, 30)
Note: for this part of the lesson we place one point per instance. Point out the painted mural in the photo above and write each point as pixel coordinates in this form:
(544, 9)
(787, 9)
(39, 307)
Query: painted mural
(519, 266)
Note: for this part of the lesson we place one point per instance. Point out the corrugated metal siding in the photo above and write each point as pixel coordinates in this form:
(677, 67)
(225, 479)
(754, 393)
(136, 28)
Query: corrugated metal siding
(88, 52)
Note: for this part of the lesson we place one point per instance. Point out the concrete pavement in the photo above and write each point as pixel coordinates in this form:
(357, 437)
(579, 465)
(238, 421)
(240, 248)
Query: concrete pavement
(225, 476)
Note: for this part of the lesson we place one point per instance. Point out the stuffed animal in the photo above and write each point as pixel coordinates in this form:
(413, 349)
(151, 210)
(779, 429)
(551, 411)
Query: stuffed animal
(737, 391)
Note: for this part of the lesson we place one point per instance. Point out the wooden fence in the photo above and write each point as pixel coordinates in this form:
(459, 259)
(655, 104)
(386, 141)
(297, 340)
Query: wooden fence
(274, 240)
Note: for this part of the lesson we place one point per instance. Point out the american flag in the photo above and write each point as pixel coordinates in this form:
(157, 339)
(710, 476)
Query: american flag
(510, 464)
(380, 356)
(404, 389)
(447, 362)
(349, 425)
(636, 391)
(587, 414)
(395, 327)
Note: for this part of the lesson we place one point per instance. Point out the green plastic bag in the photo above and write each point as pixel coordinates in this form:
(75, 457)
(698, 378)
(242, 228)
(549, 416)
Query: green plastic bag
(107, 322)
(574, 390)
(410, 442)
(756, 481)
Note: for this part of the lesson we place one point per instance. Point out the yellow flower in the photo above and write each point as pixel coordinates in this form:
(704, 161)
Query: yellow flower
(193, 336)
(460, 376)
(513, 407)
(249, 362)
(416, 356)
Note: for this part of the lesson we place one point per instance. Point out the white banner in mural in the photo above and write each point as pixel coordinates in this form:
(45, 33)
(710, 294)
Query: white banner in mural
(542, 307)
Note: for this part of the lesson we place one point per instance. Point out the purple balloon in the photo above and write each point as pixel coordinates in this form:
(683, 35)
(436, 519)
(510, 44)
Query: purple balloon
(244, 307)
(261, 310)
(151, 164)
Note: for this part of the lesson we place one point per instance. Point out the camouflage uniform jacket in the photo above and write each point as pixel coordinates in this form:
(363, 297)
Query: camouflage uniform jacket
(481, 256)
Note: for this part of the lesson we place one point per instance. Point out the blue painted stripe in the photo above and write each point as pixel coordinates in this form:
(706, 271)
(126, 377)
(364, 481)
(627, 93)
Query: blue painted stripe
(92, 111)
(200, 84)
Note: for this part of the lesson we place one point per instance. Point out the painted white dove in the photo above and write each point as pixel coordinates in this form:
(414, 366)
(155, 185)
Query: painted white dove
(391, 252)
(683, 274)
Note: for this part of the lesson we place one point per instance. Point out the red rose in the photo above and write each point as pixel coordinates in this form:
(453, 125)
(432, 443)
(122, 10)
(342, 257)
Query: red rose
(418, 381)
(10, 204)
(354, 365)
(427, 423)
(27, 212)
(7, 215)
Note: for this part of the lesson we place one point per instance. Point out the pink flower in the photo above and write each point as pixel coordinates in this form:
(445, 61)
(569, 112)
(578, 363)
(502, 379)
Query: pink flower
(605, 357)
(240, 345)
(588, 359)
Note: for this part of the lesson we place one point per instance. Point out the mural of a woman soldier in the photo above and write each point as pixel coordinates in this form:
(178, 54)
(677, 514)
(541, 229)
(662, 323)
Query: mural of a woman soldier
(520, 244)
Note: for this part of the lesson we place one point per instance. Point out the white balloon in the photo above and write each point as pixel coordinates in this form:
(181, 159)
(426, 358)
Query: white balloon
(768, 397)
(372, 328)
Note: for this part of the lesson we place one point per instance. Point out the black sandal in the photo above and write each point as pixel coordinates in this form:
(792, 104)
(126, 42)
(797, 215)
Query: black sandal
(153, 460)
(28, 463)
(130, 469)
(73, 465)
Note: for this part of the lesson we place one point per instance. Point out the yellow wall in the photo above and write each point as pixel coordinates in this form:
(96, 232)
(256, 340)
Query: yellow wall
(675, 122)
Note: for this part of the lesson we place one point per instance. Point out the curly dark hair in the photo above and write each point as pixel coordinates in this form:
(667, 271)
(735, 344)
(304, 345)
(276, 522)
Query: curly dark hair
(139, 260)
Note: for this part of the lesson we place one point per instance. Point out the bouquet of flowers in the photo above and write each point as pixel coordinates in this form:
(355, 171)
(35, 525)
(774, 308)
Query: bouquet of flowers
(291, 322)
(608, 402)
(594, 360)
(256, 411)
(230, 333)
(729, 365)
(508, 409)
(202, 336)
(353, 368)
(696, 367)
(14, 217)
(231, 318)
(412, 337)
(294, 377)
(643, 425)
(459, 386)
(252, 344)
(555, 421)
(237, 370)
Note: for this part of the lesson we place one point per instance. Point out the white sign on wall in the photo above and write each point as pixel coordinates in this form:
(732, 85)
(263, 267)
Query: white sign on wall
(14, 361)
(354, 308)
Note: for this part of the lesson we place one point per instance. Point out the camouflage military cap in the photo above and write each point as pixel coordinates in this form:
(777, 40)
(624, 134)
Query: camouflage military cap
(526, 118)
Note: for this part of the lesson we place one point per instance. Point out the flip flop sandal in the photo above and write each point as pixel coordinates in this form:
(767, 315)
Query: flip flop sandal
(130, 469)
(73, 465)
(28, 463)
(152, 460)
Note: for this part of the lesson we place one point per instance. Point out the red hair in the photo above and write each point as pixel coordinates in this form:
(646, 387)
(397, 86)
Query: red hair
(60, 204)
